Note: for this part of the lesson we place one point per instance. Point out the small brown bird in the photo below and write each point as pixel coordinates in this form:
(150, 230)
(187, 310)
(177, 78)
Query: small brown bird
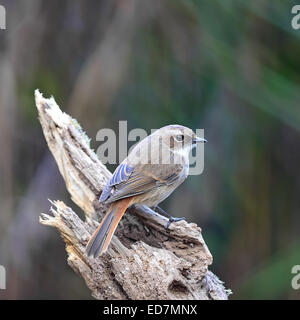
(152, 171)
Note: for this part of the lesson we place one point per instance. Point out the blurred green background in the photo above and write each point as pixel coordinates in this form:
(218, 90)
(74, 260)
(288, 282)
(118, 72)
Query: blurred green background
(230, 67)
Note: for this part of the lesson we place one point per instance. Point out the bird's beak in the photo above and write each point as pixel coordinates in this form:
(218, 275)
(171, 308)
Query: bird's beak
(198, 139)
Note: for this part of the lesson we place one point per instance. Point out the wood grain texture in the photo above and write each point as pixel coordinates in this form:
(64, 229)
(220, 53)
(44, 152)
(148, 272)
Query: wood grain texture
(144, 261)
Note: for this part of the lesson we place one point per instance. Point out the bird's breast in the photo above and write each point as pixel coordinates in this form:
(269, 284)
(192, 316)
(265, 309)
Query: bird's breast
(162, 191)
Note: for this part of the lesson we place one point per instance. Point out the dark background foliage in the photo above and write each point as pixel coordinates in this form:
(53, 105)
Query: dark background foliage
(230, 67)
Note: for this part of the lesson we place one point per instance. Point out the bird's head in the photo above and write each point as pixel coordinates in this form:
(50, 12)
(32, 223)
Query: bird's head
(179, 138)
(165, 143)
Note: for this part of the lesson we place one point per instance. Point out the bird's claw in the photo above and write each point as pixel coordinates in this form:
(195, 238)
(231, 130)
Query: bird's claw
(172, 219)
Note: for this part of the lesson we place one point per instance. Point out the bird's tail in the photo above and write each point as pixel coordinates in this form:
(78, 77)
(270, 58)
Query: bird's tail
(102, 236)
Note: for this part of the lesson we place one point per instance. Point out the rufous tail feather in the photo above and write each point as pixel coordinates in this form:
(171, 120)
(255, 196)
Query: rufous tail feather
(101, 238)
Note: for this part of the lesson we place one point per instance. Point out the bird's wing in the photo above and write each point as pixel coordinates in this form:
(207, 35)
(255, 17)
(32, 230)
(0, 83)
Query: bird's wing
(121, 174)
(130, 181)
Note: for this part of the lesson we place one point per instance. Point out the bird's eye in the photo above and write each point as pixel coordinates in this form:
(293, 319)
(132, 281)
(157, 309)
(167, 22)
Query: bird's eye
(180, 137)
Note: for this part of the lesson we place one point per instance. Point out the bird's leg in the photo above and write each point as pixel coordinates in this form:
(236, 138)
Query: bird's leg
(164, 213)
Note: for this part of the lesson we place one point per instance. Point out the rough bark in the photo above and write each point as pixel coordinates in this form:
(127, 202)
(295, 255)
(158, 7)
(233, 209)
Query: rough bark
(144, 260)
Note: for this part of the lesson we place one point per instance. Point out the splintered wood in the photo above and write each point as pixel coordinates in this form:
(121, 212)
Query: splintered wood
(144, 260)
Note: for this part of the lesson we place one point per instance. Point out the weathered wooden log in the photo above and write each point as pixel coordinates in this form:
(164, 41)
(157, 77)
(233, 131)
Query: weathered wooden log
(144, 260)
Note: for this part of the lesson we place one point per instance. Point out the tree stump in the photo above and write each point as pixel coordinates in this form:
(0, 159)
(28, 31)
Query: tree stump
(144, 260)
